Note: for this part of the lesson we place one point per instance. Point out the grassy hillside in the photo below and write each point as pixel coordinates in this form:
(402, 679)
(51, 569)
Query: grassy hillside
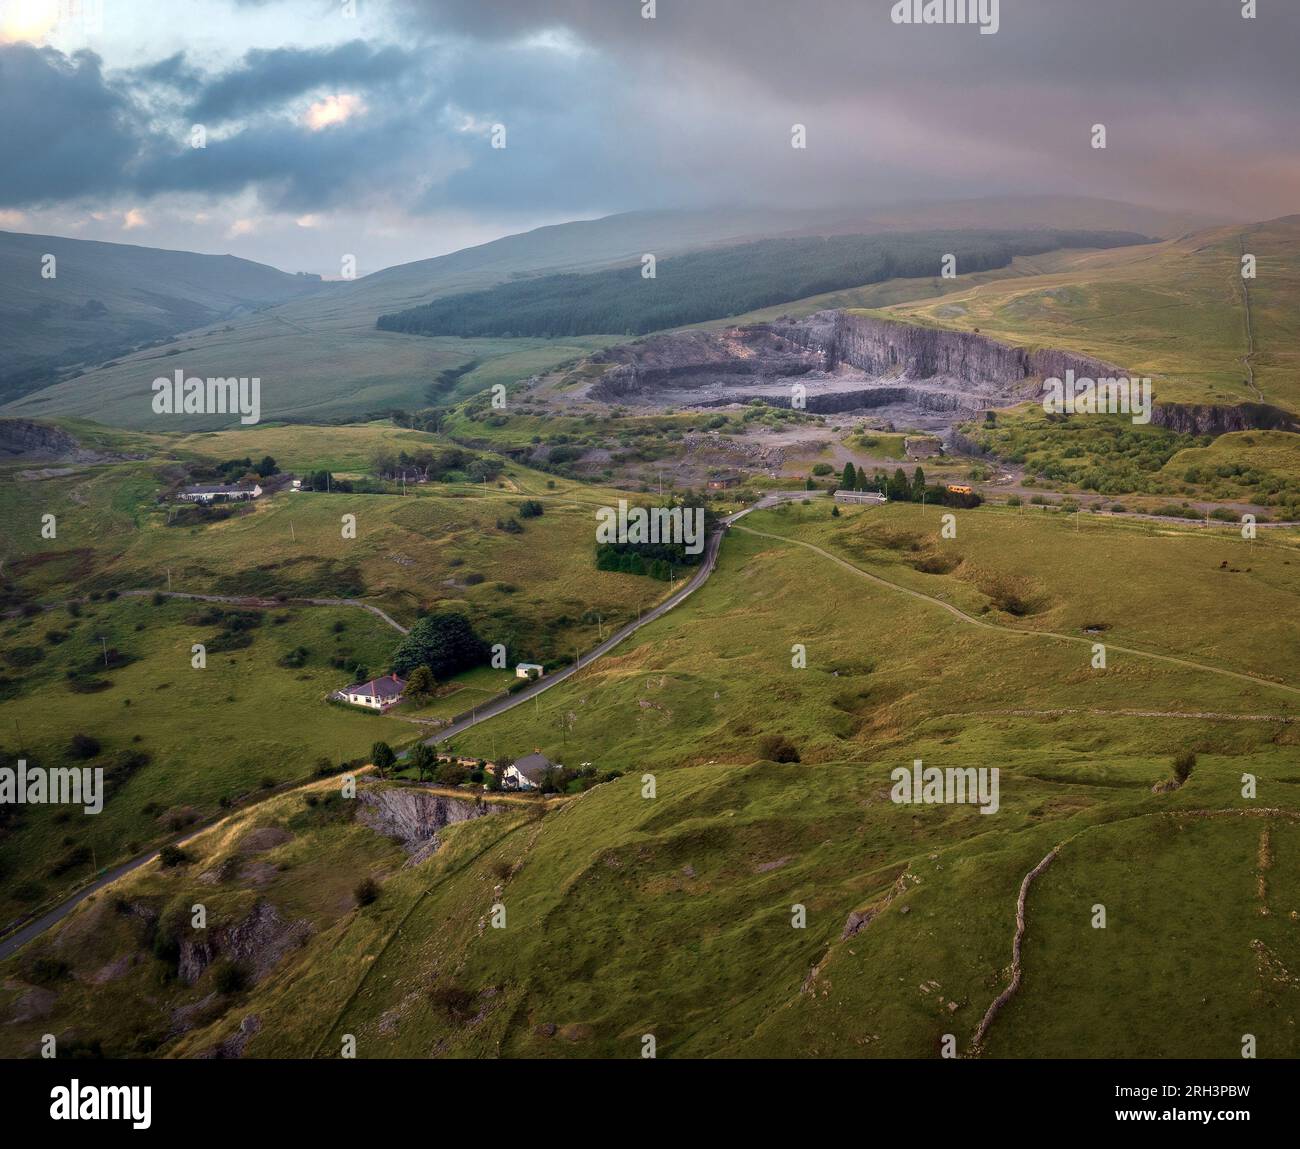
(671, 915)
(321, 357)
(441, 545)
(1176, 312)
(105, 299)
(175, 741)
(720, 282)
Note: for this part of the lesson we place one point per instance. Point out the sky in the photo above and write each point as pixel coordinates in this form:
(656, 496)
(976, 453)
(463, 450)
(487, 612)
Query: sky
(367, 127)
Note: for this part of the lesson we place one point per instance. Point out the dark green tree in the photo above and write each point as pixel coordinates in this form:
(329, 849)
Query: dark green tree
(850, 479)
(381, 754)
(424, 760)
(421, 684)
(445, 642)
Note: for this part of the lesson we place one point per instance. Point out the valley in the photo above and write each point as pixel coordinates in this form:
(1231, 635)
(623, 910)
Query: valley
(1073, 601)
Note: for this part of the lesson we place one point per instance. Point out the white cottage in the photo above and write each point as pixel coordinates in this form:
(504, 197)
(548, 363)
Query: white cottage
(378, 694)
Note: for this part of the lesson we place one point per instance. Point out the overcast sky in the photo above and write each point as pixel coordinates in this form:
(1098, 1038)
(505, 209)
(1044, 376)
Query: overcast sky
(371, 134)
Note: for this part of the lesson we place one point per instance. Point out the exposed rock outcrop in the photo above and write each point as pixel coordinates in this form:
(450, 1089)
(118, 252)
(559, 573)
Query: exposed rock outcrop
(26, 439)
(1212, 419)
(923, 375)
(930, 377)
(414, 817)
(257, 942)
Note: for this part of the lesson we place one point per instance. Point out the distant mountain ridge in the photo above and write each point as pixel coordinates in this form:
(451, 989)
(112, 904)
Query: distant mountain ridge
(315, 344)
(96, 300)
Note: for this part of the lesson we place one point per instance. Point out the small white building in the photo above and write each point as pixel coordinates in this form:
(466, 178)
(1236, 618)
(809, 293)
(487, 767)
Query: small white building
(378, 694)
(221, 493)
(530, 670)
(527, 772)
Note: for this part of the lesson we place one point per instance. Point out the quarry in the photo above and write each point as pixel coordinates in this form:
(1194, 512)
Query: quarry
(920, 377)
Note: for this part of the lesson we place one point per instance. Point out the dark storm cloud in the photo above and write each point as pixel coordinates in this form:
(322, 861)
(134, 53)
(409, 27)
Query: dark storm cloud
(840, 47)
(1199, 103)
(607, 111)
(268, 78)
(64, 131)
(73, 134)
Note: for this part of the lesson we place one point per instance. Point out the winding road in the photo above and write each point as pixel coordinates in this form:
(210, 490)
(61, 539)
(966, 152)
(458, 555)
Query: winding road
(24, 933)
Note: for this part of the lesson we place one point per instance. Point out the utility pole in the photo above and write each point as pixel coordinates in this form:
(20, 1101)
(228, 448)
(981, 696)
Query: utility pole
(104, 643)
(169, 580)
(292, 533)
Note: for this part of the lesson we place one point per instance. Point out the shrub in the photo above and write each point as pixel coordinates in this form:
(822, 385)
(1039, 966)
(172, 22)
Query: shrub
(22, 656)
(367, 892)
(228, 976)
(83, 746)
(1184, 763)
(453, 1001)
(777, 748)
(170, 856)
(45, 970)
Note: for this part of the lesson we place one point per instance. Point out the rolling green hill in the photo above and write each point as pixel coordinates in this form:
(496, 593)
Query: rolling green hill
(105, 299)
(722, 281)
(1176, 312)
(321, 357)
(672, 915)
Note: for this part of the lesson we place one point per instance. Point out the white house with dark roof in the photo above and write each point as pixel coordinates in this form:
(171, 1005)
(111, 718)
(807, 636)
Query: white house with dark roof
(526, 773)
(220, 492)
(378, 694)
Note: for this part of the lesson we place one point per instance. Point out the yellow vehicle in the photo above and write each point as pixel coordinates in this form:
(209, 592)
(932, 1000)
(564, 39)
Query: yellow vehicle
(959, 489)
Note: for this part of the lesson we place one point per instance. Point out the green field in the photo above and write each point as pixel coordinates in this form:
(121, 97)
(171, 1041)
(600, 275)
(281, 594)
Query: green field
(209, 734)
(536, 591)
(671, 915)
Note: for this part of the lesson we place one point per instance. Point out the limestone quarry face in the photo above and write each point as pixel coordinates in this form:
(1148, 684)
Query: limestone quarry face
(918, 376)
(414, 817)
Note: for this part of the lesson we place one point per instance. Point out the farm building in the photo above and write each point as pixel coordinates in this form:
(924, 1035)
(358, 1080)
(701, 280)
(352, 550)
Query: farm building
(220, 492)
(530, 670)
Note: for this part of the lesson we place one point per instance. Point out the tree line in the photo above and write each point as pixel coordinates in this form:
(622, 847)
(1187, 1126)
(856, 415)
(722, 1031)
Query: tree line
(722, 282)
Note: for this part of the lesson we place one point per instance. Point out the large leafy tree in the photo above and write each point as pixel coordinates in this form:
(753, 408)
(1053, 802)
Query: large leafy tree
(445, 642)
(381, 754)
(421, 683)
(425, 761)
